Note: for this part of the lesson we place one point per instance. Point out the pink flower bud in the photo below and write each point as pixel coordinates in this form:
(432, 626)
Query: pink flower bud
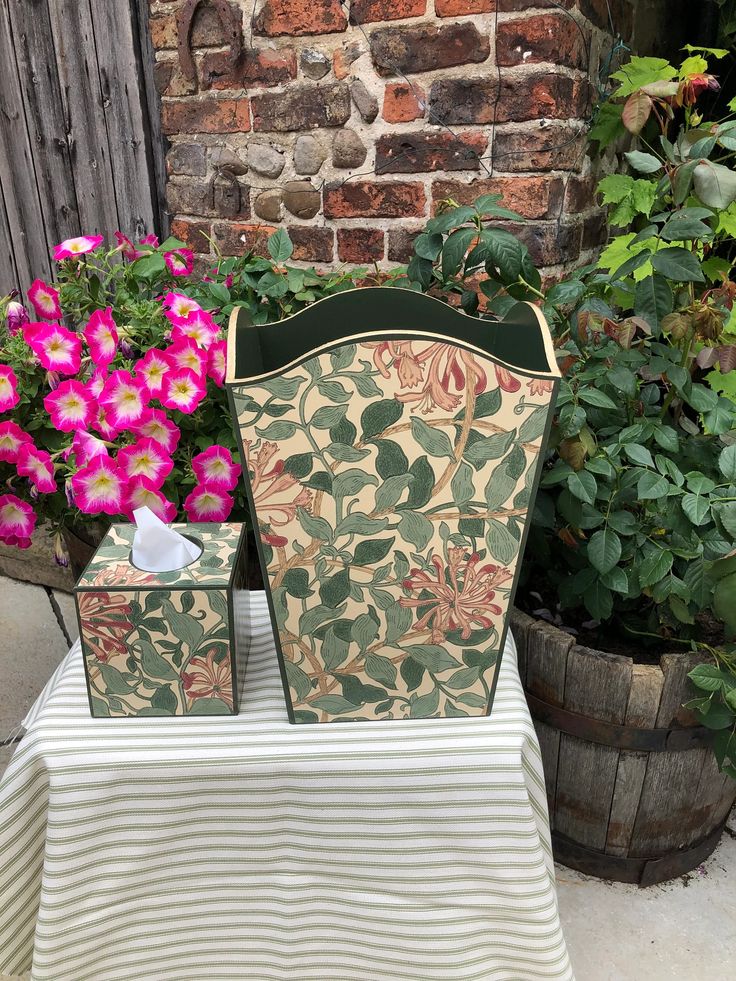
(16, 316)
(61, 555)
(52, 380)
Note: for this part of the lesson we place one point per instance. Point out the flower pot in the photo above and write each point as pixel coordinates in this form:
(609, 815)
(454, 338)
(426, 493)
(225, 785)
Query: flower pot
(82, 542)
(634, 791)
(393, 446)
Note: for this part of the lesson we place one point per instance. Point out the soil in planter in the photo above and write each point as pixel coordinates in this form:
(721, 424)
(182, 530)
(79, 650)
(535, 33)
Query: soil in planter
(613, 637)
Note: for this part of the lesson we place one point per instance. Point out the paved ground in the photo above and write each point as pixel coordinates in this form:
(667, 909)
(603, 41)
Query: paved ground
(682, 931)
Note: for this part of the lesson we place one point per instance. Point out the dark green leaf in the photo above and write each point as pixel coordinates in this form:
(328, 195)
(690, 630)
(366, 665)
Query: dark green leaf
(371, 551)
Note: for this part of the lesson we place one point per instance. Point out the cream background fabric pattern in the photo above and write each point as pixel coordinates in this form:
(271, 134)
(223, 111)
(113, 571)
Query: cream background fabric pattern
(247, 848)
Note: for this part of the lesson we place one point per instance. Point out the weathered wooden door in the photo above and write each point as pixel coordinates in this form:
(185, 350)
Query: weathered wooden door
(80, 144)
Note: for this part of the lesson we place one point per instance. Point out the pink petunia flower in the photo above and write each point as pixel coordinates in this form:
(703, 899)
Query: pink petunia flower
(57, 348)
(215, 467)
(145, 458)
(152, 368)
(206, 503)
(126, 247)
(98, 487)
(97, 381)
(71, 406)
(9, 397)
(183, 390)
(199, 326)
(216, 362)
(44, 300)
(104, 426)
(180, 305)
(72, 248)
(85, 447)
(180, 262)
(12, 438)
(16, 317)
(17, 521)
(38, 466)
(150, 239)
(101, 336)
(155, 424)
(140, 493)
(123, 399)
(186, 355)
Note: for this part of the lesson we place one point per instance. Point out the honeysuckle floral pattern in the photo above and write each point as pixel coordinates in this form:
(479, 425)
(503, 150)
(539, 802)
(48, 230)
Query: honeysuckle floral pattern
(391, 482)
(156, 643)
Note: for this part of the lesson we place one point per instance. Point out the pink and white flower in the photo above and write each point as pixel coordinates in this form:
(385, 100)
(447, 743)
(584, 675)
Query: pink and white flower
(180, 262)
(142, 493)
(126, 247)
(180, 305)
(72, 248)
(104, 426)
(215, 467)
(217, 362)
(199, 326)
(12, 438)
(57, 348)
(123, 398)
(152, 368)
(183, 390)
(206, 503)
(38, 466)
(155, 424)
(186, 355)
(17, 521)
(101, 336)
(44, 300)
(9, 397)
(16, 317)
(85, 447)
(150, 239)
(99, 487)
(97, 381)
(145, 458)
(71, 406)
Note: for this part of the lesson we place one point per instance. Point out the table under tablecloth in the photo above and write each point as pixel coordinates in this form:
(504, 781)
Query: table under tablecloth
(248, 848)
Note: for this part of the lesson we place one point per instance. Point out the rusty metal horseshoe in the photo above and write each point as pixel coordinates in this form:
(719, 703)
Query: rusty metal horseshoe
(230, 20)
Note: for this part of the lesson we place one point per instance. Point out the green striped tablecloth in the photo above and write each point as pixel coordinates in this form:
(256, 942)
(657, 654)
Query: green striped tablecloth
(248, 848)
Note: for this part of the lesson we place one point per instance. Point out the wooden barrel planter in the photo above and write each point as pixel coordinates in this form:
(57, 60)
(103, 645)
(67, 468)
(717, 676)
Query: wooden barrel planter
(633, 788)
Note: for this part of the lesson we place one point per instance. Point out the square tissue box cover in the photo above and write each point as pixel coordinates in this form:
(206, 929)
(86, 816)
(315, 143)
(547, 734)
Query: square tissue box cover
(165, 643)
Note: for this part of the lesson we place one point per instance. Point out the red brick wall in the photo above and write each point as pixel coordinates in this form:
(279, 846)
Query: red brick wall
(315, 127)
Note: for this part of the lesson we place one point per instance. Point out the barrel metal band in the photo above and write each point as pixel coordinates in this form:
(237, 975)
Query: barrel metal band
(619, 737)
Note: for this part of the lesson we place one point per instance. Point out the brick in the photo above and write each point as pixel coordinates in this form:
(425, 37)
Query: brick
(553, 148)
(221, 197)
(460, 8)
(360, 244)
(207, 115)
(621, 13)
(580, 194)
(545, 37)
(595, 230)
(237, 238)
(253, 69)
(368, 199)
(475, 100)
(302, 107)
(401, 243)
(413, 153)
(298, 17)
(312, 244)
(187, 158)
(207, 29)
(170, 81)
(421, 49)
(401, 102)
(192, 233)
(531, 197)
(367, 11)
(549, 243)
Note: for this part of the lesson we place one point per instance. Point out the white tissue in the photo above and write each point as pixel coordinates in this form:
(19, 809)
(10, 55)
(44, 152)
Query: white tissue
(158, 548)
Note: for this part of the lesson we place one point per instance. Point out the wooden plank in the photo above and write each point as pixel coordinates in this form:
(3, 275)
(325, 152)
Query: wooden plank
(42, 103)
(546, 662)
(157, 141)
(126, 113)
(676, 689)
(76, 59)
(597, 686)
(24, 211)
(641, 711)
(549, 745)
(8, 270)
(520, 624)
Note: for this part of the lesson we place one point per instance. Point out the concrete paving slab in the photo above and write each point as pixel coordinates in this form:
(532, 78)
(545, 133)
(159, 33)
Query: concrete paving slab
(31, 646)
(35, 564)
(68, 609)
(682, 930)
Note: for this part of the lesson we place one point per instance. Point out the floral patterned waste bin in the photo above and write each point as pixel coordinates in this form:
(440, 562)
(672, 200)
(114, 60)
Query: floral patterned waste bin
(165, 643)
(393, 446)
